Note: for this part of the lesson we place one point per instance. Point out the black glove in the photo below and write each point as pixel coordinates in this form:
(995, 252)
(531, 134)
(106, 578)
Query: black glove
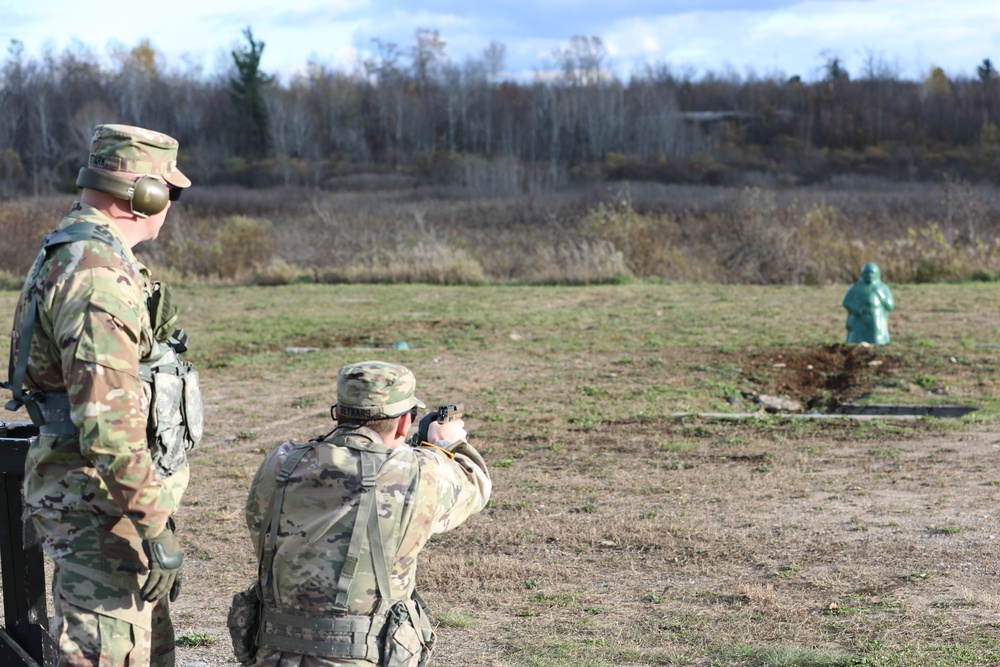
(425, 424)
(165, 559)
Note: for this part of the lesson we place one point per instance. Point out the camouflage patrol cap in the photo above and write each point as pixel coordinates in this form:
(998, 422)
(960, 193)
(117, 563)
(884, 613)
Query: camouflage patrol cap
(136, 150)
(375, 389)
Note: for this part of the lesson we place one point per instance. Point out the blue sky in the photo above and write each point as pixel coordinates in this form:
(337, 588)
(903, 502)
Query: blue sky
(765, 37)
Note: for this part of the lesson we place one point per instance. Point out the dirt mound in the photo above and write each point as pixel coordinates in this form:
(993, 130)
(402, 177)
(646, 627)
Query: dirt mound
(819, 377)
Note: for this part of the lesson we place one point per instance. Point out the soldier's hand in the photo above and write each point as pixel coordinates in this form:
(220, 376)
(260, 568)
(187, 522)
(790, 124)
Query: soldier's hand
(452, 431)
(165, 559)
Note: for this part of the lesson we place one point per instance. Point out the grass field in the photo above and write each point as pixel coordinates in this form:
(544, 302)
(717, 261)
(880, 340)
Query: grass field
(620, 532)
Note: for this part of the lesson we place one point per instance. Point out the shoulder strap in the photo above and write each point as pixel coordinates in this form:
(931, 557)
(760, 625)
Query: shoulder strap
(367, 525)
(362, 525)
(82, 230)
(18, 366)
(265, 557)
(366, 528)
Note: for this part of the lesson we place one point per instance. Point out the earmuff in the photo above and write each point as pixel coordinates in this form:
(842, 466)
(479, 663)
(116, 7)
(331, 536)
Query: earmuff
(146, 196)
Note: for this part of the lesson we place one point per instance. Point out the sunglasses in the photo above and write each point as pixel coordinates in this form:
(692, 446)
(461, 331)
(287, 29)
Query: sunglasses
(412, 412)
(175, 192)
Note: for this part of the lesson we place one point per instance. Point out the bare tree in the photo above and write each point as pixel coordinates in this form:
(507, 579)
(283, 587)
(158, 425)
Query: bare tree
(138, 76)
(389, 82)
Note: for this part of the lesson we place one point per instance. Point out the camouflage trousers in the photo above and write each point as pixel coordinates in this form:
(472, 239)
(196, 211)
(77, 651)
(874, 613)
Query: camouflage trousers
(99, 619)
(89, 639)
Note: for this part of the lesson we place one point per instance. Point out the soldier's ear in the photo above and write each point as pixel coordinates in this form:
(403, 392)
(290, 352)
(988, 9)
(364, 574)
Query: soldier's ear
(403, 426)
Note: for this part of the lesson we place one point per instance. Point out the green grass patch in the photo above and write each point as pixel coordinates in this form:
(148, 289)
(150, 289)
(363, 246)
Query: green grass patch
(454, 619)
(195, 640)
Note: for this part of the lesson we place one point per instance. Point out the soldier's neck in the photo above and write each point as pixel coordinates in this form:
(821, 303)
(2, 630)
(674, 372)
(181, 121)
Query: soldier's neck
(118, 210)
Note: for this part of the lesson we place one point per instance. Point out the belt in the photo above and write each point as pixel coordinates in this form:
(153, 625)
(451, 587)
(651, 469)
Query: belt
(283, 631)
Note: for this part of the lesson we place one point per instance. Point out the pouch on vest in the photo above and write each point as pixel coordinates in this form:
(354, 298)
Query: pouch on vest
(244, 623)
(162, 312)
(176, 419)
(409, 638)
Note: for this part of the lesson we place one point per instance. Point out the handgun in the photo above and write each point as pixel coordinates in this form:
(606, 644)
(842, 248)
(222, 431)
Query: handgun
(442, 415)
(447, 413)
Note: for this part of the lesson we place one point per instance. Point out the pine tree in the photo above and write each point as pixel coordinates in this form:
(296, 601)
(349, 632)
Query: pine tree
(247, 90)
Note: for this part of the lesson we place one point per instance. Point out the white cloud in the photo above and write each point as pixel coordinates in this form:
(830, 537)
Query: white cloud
(797, 38)
(764, 35)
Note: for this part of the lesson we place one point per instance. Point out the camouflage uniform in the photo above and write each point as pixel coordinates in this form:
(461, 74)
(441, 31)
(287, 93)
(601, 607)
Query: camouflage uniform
(95, 496)
(420, 491)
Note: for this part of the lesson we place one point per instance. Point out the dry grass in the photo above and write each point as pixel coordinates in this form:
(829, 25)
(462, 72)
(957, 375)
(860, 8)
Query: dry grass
(588, 233)
(22, 225)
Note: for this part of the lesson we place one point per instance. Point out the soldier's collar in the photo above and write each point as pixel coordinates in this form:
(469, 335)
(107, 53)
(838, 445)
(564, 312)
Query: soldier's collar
(349, 434)
(88, 213)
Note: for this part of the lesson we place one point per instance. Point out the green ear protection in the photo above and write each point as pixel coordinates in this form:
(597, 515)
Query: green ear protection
(146, 196)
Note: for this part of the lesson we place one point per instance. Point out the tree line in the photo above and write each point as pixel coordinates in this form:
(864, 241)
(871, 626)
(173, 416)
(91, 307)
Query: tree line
(415, 111)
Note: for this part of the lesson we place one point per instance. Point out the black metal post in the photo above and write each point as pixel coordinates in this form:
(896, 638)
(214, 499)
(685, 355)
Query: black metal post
(25, 639)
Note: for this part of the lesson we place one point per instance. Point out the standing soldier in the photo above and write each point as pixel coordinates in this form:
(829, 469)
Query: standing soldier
(94, 341)
(338, 523)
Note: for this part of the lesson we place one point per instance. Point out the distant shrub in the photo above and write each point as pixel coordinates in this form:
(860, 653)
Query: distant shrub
(828, 254)
(758, 244)
(579, 263)
(754, 238)
(472, 233)
(628, 244)
(617, 167)
(233, 250)
(280, 272)
(245, 246)
(10, 281)
(23, 223)
(985, 276)
(926, 255)
(428, 262)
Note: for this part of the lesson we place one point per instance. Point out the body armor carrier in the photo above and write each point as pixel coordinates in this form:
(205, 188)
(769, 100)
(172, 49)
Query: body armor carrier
(175, 421)
(397, 634)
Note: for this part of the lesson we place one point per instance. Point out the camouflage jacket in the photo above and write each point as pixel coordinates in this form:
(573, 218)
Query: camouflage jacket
(430, 493)
(91, 330)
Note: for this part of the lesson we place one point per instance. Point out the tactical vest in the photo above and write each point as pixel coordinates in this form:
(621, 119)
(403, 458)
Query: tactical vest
(175, 421)
(398, 632)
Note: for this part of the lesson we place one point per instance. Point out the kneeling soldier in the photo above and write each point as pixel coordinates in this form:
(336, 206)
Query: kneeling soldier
(338, 523)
